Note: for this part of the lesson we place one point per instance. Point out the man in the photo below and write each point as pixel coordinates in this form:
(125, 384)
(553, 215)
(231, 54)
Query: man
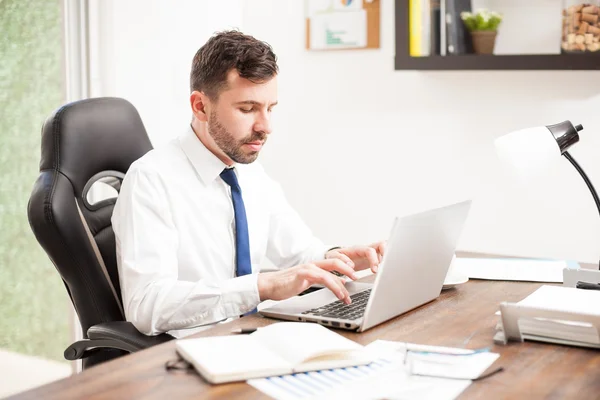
(196, 218)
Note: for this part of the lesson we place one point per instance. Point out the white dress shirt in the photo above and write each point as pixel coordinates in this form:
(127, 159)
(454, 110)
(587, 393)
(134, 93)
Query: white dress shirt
(175, 236)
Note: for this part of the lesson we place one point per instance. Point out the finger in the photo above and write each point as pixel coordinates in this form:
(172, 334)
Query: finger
(380, 248)
(337, 282)
(333, 283)
(341, 256)
(335, 264)
(371, 255)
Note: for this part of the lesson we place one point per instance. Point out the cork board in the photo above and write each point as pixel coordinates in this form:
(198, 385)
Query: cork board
(335, 13)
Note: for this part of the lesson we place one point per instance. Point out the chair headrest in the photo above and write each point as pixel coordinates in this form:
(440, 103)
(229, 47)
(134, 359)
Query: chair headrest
(91, 139)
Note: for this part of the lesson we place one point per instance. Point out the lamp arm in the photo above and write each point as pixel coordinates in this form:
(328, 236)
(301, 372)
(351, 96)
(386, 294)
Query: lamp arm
(585, 178)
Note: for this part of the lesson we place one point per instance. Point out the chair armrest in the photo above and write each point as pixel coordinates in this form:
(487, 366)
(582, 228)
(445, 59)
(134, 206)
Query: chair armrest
(120, 335)
(128, 334)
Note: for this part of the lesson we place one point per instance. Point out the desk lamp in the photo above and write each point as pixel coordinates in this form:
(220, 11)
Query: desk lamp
(528, 151)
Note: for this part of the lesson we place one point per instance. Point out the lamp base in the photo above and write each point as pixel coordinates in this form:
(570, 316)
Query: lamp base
(573, 275)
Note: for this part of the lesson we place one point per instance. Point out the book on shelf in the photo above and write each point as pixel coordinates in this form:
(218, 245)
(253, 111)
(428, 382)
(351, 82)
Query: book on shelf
(443, 42)
(419, 28)
(436, 28)
(435, 18)
(458, 38)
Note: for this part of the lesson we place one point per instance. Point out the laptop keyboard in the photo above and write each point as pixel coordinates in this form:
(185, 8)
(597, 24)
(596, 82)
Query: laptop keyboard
(340, 310)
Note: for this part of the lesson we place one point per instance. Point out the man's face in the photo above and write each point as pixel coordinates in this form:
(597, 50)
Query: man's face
(239, 121)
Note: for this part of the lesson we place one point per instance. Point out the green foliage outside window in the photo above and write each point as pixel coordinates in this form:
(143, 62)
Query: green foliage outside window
(34, 305)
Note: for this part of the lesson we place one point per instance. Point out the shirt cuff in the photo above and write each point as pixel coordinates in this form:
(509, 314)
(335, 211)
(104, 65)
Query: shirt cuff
(332, 248)
(240, 294)
(322, 251)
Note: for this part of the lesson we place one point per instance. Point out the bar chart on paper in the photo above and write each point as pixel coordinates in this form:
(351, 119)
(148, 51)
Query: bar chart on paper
(308, 385)
(341, 24)
(389, 376)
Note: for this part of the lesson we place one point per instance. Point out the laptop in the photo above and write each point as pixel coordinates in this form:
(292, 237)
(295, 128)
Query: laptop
(418, 255)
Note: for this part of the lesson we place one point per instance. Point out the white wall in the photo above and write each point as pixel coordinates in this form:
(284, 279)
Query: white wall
(356, 142)
(528, 27)
(144, 50)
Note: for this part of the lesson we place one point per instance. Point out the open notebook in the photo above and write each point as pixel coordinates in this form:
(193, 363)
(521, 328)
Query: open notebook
(278, 349)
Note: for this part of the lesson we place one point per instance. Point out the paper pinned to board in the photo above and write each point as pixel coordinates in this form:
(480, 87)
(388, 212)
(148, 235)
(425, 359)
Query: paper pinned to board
(342, 30)
(513, 269)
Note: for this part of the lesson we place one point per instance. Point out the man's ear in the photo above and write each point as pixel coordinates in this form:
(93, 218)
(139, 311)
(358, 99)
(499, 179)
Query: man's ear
(198, 101)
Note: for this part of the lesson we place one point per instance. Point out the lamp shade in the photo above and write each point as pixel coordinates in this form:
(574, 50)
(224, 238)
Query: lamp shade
(530, 151)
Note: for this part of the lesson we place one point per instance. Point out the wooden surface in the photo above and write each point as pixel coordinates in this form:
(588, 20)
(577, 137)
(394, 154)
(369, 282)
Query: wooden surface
(532, 370)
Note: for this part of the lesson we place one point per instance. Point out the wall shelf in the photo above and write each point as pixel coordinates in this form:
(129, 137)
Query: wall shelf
(403, 61)
(500, 62)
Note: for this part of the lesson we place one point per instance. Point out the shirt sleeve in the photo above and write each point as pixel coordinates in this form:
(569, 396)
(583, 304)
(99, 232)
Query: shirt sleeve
(291, 242)
(155, 300)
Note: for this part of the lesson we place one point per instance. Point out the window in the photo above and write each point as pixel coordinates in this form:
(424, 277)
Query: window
(34, 304)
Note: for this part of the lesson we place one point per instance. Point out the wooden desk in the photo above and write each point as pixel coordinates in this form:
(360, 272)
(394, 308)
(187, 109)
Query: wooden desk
(532, 370)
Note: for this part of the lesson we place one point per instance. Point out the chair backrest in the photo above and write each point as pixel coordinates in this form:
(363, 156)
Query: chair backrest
(82, 143)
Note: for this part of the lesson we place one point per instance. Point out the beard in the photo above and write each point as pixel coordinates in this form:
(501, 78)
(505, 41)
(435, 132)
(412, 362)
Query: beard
(231, 147)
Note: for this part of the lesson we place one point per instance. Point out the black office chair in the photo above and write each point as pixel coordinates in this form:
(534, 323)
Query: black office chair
(84, 142)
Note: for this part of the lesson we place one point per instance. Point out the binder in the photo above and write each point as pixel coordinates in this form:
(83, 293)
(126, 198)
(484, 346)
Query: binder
(458, 37)
(435, 26)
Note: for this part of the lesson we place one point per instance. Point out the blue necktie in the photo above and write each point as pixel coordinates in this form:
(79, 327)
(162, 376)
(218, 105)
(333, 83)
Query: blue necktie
(243, 265)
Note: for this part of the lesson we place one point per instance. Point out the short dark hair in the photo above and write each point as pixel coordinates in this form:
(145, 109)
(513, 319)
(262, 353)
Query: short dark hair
(253, 59)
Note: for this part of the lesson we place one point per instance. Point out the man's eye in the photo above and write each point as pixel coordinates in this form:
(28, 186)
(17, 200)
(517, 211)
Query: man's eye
(245, 110)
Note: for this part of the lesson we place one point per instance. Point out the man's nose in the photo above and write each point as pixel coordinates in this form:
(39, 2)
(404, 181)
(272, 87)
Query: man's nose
(263, 123)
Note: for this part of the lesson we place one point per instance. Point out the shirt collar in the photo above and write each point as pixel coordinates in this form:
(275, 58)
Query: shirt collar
(207, 165)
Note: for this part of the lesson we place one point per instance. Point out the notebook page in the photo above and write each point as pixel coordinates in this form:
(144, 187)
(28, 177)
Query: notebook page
(226, 358)
(297, 342)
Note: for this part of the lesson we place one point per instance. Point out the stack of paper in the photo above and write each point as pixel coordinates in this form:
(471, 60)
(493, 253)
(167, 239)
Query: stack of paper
(555, 314)
(512, 269)
(400, 371)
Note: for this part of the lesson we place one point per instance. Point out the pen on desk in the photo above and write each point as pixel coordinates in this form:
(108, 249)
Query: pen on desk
(587, 285)
(243, 330)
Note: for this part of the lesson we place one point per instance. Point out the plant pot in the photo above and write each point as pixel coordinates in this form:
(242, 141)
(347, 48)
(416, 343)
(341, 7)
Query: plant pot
(484, 41)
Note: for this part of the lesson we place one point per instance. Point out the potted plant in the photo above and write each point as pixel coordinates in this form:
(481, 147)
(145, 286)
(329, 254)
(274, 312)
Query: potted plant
(483, 26)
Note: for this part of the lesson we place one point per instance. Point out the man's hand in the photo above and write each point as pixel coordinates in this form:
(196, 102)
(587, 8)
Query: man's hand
(360, 257)
(281, 285)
